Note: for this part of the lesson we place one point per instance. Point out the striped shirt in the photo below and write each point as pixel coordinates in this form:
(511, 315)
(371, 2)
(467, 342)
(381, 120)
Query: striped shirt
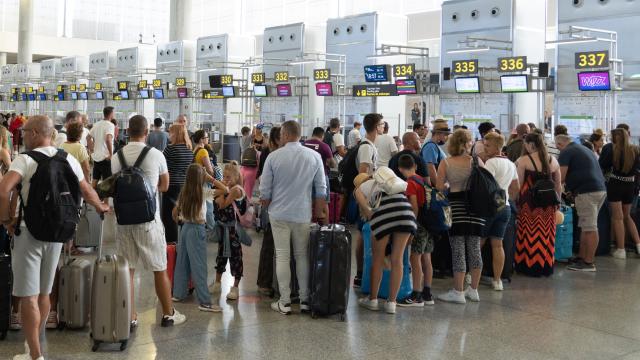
(393, 215)
(179, 157)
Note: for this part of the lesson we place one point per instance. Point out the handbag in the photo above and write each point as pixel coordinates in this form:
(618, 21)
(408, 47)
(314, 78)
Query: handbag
(247, 219)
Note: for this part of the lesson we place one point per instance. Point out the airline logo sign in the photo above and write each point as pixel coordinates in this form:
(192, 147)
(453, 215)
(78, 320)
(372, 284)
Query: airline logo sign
(375, 90)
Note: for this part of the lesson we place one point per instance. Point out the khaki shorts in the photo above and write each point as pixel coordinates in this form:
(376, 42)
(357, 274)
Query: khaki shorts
(588, 206)
(144, 242)
(34, 264)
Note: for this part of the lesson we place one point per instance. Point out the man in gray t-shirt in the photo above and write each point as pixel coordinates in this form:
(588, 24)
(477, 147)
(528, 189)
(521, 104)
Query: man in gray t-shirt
(157, 138)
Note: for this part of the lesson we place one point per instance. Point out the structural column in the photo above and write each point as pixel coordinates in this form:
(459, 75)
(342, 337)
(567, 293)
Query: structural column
(180, 20)
(25, 32)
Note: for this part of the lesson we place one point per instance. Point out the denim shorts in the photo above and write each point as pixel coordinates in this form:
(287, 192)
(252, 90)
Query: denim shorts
(496, 226)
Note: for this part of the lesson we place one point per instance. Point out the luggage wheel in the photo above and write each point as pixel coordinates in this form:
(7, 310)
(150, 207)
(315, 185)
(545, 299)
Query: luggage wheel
(314, 315)
(3, 335)
(96, 345)
(123, 345)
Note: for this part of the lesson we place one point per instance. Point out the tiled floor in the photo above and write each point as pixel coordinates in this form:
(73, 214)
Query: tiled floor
(568, 316)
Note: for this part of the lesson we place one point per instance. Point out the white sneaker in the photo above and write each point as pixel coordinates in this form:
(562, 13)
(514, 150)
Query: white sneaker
(26, 357)
(215, 288)
(472, 294)
(619, 254)
(16, 323)
(369, 304)
(175, 319)
(390, 307)
(52, 320)
(467, 279)
(453, 296)
(497, 285)
(233, 293)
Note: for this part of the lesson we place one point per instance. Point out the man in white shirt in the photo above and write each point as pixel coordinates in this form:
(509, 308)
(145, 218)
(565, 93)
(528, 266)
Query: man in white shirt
(146, 242)
(354, 135)
(86, 139)
(334, 139)
(102, 133)
(386, 146)
(34, 262)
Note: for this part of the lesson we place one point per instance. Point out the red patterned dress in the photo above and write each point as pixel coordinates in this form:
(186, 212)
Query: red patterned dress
(535, 234)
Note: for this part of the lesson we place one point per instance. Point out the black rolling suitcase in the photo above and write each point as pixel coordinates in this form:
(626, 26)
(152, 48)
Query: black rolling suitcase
(441, 257)
(6, 281)
(330, 273)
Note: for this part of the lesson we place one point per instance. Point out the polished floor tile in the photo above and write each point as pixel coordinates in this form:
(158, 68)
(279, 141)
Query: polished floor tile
(567, 316)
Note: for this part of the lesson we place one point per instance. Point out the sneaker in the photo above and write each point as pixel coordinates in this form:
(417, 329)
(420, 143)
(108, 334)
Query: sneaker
(497, 285)
(413, 300)
(52, 320)
(16, 323)
(467, 279)
(453, 296)
(574, 260)
(209, 308)
(282, 309)
(472, 294)
(233, 293)
(369, 304)
(619, 254)
(304, 307)
(215, 288)
(26, 357)
(390, 307)
(357, 282)
(133, 325)
(175, 299)
(175, 319)
(582, 266)
(427, 299)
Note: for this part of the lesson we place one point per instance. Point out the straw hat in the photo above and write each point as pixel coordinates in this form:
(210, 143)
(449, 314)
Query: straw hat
(441, 126)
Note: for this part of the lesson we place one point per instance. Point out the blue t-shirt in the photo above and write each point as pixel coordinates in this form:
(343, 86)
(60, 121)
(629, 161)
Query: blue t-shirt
(583, 171)
(158, 140)
(432, 154)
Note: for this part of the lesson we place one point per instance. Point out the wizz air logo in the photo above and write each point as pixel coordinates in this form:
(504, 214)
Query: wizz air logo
(594, 81)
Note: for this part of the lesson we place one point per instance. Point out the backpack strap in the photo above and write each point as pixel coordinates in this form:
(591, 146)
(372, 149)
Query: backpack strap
(123, 162)
(141, 157)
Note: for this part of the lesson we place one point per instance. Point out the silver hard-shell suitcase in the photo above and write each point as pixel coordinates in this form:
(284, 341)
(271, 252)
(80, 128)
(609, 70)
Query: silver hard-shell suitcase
(89, 228)
(74, 293)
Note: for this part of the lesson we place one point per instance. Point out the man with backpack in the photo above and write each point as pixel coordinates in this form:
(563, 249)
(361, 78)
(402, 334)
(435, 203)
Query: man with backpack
(431, 152)
(49, 183)
(334, 139)
(140, 233)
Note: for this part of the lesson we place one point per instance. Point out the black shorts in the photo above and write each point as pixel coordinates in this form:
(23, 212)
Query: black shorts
(623, 191)
(101, 170)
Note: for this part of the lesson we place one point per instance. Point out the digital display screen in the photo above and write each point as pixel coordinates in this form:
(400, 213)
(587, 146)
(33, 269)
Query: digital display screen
(74, 96)
(158, 94)
(215, 81)
(43, 97)
(594, 81)
(182, 92)
(373, 73)
(228, 91)
(260, 90)
(83, 96)
(144, 94)
(283, 89)
(212, 94)
(514, 83)
(406, 86)
(32, 97)
(124, 94)
(324, 89)
(99, 95)
(468, 85)
(60, 95)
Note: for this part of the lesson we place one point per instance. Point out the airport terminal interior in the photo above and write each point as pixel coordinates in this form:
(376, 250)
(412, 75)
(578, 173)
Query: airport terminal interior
(319, 179)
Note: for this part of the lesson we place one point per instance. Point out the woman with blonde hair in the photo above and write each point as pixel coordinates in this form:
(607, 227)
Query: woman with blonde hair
(466, 229)
(620, 164)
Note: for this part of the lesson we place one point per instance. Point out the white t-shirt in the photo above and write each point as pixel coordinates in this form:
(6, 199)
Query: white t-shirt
(99, 132)
(338, 141)
(153, 166)
(83, 137)
(386, 146)
(354, 137)
(26, 166)
(503, 170)
(367, 154)
(61, 138)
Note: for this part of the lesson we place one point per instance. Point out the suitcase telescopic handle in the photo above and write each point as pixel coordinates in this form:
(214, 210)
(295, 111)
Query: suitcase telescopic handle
(101, 233)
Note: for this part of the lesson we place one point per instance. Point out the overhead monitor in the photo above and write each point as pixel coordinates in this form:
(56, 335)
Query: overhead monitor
(182, 92)
(406, 86)
(514, 83)
(228, 91)
(215, 81)
(375, 73)
(43, 97)
(594, 81)
(24, 97)
(144, 94)
(83, 95)
(324, 89)
(260, 90)
(158, 94)
(124, 94)
(467, 85)
(99, 95)
(283, 89)
(74, 96)
(60, 95)
(32, 97)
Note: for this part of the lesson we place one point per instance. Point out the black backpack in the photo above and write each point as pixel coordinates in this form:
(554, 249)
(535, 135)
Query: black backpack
(484, 195)
(328, 139)
(52, 211)
(347, 169)
(134, 200)
(543, 192)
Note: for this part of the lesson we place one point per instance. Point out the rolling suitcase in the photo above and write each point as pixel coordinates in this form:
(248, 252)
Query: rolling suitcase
(89, 228)
(110, 301)
(6, 282)
(172, 256)
(74, 294)
(564, 235)
(334, 207)
(330, 273)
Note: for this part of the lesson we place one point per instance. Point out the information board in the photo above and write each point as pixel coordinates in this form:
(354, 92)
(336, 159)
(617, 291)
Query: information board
(375, 90)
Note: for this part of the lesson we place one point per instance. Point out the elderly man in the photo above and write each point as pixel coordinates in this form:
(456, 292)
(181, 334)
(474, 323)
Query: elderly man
(411, 144)
(583, 178)
(34, 261)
